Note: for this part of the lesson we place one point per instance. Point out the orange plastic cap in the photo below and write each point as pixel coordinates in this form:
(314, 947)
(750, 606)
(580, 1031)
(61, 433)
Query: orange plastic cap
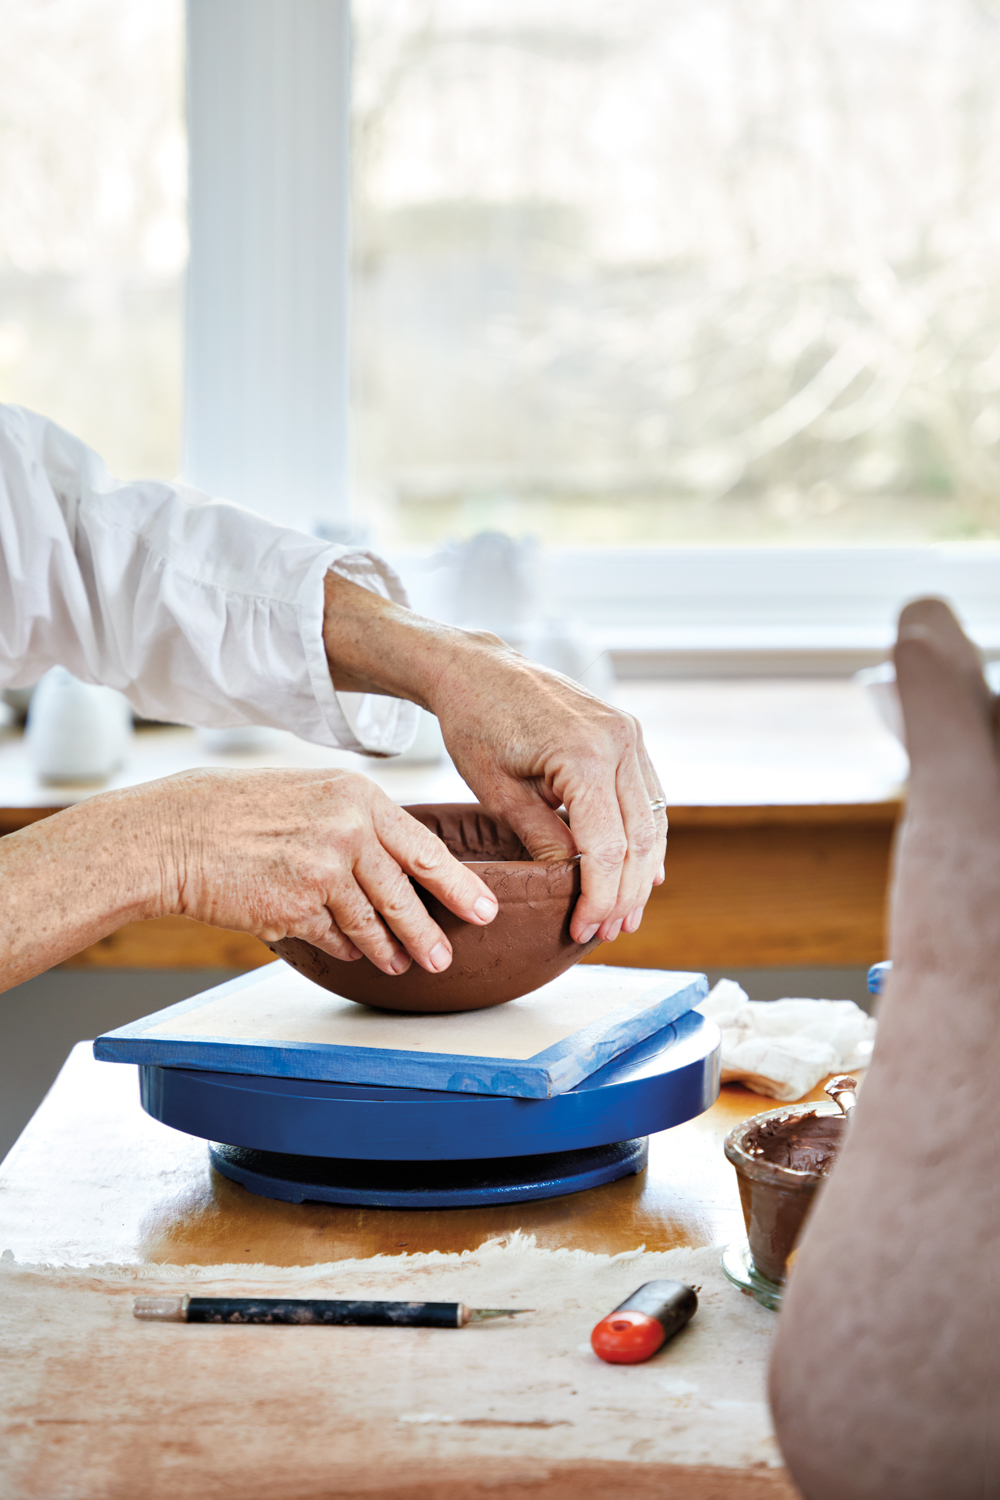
(626, 1337)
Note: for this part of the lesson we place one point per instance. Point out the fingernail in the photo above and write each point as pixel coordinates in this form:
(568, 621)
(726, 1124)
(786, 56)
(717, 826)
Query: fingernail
(633, 919)
(614, 930)
(485, 909)
(353, 953)
(399, 963)
(440, 956)
(588, 933)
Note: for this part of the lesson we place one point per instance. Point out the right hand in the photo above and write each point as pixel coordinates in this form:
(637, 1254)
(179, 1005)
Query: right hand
(320, 855)
(527, 740)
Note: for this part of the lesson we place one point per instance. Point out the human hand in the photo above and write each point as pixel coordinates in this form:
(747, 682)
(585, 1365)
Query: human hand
(319, 855)
(527, 740)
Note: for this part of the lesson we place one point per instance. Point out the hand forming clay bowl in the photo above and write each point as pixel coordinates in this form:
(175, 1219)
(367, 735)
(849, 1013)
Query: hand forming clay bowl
(526, 944)
(782, 1157)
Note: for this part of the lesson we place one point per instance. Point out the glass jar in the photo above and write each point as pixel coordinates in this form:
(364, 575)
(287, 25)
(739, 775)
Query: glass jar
(776, 1201)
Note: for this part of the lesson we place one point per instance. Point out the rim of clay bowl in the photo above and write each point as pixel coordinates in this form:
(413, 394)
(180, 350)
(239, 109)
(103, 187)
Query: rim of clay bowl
(551, 871)
(558, 872)
(767, 1171)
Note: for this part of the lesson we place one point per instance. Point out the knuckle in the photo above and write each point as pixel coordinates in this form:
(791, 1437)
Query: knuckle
(353, 913)
(430, 856)
(624, 731)
(643, 842)
(399, 904)
(611, 855)
(353, 826)
(351, 783)
(590, 765)
(271, 932)
(320, 931)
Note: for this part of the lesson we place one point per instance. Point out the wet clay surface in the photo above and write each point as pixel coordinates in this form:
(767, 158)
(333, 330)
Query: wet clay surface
(526, 945)
(807, 1144)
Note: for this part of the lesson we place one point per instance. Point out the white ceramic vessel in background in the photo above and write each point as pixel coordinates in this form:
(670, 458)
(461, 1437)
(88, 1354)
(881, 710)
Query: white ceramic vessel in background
(240, 739)
(76, 732)
(880, 683)
(570, 649)
(495, 582)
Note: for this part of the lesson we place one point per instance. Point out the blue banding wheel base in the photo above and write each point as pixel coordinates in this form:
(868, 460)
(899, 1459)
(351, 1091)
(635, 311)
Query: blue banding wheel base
(423, 1184)
(670, 1077)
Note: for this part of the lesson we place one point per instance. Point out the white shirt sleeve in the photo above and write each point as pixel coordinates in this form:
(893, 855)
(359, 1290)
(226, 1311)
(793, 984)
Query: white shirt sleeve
(198, 611)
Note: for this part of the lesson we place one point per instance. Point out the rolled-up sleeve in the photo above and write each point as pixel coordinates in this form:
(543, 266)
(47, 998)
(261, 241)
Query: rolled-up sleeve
(198, 611)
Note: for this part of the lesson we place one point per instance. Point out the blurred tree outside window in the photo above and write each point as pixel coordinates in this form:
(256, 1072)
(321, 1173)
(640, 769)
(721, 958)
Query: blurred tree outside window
(662, 271)
(93, 233)
(678, 270)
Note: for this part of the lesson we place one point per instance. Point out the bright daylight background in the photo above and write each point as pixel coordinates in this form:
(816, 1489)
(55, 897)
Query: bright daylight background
(662, 271)
(93, 238)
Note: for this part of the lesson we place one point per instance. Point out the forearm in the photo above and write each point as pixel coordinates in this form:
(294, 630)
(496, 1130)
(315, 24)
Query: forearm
(73, 878)
(374, 645)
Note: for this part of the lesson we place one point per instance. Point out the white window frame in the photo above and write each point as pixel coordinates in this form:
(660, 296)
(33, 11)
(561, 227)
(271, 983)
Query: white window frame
(267, 385)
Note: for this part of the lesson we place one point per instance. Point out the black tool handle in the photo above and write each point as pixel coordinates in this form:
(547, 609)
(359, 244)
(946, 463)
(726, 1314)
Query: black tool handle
(289, 1310)
(671, 1303)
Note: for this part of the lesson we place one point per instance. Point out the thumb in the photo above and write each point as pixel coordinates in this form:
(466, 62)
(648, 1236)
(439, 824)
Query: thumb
(543, 833)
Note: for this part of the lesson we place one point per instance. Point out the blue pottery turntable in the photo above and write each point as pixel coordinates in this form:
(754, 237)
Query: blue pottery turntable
(252, 1067)
(421, 1148)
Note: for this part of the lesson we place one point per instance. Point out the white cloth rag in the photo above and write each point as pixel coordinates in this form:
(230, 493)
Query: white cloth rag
(782, 1048)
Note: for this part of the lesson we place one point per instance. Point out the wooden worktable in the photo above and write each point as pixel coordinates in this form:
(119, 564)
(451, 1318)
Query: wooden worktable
(93, 1180)
(784, 796)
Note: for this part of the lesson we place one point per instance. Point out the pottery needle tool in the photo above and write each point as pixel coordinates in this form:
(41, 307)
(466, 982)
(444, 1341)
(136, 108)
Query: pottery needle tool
(309, 1312)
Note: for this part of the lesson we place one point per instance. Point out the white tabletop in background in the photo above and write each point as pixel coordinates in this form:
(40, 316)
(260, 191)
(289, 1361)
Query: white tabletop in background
(744, 742)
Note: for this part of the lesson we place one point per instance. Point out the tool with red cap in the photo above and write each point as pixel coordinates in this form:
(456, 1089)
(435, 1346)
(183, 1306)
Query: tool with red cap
(644, 1322)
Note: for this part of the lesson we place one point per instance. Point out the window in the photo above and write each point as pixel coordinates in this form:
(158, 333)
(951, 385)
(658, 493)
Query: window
(677, 271)
(93, 238)
(705, 297)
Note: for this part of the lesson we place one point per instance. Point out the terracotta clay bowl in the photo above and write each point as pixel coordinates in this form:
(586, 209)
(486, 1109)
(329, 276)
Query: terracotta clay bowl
(526, 944)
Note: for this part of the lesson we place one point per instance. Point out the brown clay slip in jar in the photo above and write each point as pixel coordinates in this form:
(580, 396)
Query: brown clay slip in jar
(526, 944)
(782, 1158)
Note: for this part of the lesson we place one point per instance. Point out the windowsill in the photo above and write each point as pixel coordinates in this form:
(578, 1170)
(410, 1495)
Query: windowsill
(739, 744)
(747, 650)
(710, 612)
